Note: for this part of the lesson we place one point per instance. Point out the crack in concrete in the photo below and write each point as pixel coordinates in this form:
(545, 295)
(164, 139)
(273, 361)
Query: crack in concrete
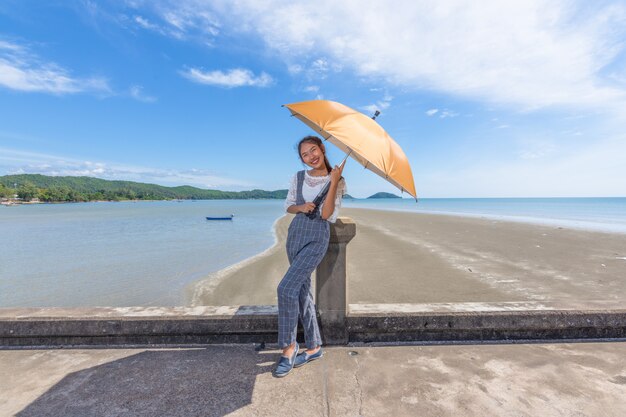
(325, 389)
(358, 384)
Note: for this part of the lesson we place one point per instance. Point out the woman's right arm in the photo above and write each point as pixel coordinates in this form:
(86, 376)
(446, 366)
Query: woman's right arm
(304, 208)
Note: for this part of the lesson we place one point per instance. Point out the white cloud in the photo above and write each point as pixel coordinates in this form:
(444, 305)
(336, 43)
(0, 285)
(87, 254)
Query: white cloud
(136, 92)
(10, 47)
(144, 23)
(443, 113)
(23, 71)
(320, 65)
(312, 70)
(370, 108)
(379, 105)
(181, 20)
(23, 162)
(178, 20)
(187, 18)
(238, 77)
(319, 68)
(294, 69)
(311, 89)
(447, 113)
(529, 54)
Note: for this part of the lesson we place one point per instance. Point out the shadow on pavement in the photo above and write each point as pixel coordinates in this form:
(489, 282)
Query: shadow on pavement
(211, 381)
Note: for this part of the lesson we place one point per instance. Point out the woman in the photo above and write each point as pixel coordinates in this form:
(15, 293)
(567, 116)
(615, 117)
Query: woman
(307, 241)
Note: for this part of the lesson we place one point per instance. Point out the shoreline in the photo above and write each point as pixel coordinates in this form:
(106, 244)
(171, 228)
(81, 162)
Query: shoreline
(582, 225)
(438, 258)
(175, 200)
(199, 291)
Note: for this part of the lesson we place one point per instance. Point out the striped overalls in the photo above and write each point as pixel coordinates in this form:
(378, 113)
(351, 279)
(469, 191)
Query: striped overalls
(307, 241)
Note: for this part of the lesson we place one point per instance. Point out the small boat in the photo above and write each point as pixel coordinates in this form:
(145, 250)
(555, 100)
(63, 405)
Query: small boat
(221, 218)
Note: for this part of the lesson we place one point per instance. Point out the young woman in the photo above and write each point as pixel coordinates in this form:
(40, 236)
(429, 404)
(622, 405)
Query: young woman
(307, 241)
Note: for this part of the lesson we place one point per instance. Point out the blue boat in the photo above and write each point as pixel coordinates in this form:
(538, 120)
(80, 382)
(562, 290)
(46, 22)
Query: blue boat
(221, 218)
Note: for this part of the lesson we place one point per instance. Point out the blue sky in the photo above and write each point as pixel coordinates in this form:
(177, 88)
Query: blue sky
(488, 99)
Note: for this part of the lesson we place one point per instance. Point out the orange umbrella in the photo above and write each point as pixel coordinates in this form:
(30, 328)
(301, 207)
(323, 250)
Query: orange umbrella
(360, 137)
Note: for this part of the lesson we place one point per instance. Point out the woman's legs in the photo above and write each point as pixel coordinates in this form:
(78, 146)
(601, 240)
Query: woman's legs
(307, 242)
(308, 318)
(289, 289)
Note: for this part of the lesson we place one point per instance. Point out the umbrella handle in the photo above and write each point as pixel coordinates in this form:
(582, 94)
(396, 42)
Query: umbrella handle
(318, 200)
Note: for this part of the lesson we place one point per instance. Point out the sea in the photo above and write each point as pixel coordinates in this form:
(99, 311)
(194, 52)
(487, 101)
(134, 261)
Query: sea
(148, 253)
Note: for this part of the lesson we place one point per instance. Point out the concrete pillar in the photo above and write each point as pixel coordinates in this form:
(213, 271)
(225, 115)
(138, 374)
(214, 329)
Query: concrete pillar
(331, 285)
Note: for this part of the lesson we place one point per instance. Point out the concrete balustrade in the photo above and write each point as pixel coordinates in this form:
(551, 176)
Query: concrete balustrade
(340, 323)
(331, 286)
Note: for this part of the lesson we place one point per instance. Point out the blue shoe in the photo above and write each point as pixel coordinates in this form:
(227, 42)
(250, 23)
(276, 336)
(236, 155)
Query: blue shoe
(285, 365)
(304, 358)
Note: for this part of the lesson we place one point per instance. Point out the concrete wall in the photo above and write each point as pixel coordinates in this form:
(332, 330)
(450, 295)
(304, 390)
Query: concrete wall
(235, 324)
(339, 323)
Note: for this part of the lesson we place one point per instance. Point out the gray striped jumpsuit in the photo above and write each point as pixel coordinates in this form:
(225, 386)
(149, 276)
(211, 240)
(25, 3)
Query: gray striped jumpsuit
(307, 241)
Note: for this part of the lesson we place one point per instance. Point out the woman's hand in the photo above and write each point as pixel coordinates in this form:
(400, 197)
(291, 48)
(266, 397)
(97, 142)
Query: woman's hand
(335, 174)
(307, 208)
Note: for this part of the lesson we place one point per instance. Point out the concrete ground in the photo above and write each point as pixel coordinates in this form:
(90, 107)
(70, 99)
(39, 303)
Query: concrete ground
(558, 379)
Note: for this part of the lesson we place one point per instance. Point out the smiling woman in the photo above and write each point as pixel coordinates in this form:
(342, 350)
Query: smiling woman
(307, 241)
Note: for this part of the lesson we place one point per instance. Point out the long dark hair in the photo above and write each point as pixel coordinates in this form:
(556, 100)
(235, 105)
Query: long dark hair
(316, 141)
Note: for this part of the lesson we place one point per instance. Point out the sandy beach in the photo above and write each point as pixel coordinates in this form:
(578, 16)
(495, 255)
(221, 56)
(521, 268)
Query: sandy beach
(399, 257)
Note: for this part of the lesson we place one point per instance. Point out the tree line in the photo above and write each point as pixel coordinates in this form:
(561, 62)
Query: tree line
(76, 189)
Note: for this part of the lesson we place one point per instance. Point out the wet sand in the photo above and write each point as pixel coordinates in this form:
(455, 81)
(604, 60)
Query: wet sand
(399, 257)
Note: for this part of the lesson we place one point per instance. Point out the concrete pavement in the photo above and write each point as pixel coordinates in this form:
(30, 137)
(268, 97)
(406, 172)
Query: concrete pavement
(559, 379)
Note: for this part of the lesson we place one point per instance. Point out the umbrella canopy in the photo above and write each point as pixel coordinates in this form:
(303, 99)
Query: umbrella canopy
(360, 136)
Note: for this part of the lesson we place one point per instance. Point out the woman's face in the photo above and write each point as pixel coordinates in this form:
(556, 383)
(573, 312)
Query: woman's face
(312, 155)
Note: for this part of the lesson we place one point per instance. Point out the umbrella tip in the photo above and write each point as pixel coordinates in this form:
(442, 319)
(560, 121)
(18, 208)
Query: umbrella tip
(376, 114)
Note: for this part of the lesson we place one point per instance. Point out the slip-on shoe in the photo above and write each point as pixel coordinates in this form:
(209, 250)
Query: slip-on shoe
(285, 365)
(304, 358)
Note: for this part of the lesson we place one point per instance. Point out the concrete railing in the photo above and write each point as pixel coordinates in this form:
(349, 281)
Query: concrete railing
(331, 285)
(340, 323)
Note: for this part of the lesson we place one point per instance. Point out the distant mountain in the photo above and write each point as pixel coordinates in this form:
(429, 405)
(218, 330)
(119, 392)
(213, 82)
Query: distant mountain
(57, 189)
(348, 196)
(384, 195)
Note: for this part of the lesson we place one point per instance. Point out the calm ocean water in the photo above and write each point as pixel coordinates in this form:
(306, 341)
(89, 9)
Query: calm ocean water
(123, 254)
(598, 214)
(145, 253)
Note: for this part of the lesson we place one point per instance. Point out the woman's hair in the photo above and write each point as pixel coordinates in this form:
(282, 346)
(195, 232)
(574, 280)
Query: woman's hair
(316, 141)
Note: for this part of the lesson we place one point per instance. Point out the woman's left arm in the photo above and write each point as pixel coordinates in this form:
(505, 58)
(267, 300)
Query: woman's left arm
(329, 202)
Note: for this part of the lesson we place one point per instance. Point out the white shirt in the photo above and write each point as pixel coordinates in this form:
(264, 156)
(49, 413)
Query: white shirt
(311, 188)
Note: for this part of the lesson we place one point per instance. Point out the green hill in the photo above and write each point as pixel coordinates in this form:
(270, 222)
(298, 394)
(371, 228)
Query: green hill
(57, 189)
(384, 195)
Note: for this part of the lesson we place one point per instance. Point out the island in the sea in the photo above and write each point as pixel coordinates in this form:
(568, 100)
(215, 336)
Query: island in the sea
(51, 189)
(384, 195)
(37, 188)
